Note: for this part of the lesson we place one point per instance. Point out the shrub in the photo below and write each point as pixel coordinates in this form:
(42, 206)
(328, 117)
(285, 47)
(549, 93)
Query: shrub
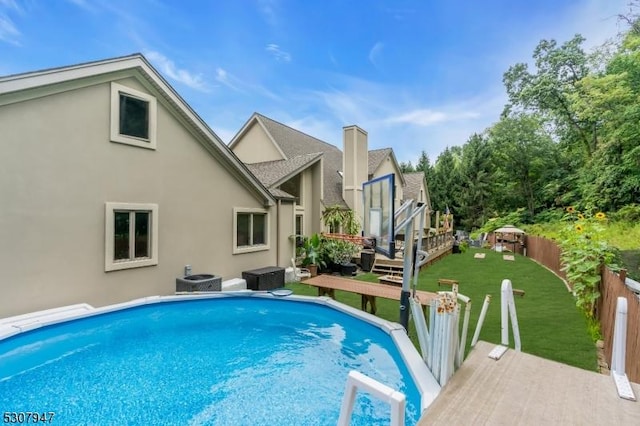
(629, 213)
(551, 215)
(584, 251)
(514, 218)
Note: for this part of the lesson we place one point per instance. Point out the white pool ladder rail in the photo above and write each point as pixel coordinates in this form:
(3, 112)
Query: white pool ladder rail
(356, 380)
(618, 371)
(507, 310)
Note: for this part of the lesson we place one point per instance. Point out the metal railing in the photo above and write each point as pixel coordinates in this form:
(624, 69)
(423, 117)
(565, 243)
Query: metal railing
(356, 380)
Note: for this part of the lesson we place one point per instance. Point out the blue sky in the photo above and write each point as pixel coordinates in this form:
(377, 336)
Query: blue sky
(416, 74)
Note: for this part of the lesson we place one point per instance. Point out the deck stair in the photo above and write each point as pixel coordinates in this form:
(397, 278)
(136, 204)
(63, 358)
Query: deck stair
(388, 267)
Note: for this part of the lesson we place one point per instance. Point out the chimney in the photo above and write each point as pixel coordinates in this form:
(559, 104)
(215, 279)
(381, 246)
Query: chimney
(355, 164)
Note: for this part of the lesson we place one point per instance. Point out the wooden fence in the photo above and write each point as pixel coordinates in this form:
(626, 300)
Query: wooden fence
(611, 287)
(547, 253)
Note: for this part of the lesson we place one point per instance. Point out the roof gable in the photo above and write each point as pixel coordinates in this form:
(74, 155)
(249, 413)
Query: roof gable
(414, 182)
(32, 85)
(376, 157)
(247, 134)
(295, 143)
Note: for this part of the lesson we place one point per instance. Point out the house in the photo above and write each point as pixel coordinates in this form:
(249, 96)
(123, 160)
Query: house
(415, 188)
(110, 184)
(317, 173)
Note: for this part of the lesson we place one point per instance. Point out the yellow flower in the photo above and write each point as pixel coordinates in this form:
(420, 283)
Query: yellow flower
(579, 228)
(580, 216)
(601, 216)
(571, 209)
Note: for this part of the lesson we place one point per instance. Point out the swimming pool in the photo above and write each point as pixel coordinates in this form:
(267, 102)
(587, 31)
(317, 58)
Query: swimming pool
(226, 360)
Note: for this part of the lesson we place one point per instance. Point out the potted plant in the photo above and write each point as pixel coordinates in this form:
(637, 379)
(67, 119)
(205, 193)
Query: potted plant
(311, 253)
(340, 253)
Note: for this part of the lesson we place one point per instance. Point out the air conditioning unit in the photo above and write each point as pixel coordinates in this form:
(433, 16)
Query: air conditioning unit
(199, 282)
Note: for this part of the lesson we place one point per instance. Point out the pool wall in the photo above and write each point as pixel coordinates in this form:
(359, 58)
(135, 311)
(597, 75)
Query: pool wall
(422, 377)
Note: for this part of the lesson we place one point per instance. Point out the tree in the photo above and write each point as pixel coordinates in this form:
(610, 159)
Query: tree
(446, 180)
(524, 155)
(611, 178)
(546, 91)
(476, 182)
(406, 167)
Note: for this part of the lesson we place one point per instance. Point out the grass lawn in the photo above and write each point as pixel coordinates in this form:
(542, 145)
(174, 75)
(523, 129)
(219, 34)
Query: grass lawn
(550, 324)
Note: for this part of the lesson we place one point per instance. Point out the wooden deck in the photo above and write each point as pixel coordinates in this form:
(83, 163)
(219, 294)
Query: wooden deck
(522, 389)
(327, 284)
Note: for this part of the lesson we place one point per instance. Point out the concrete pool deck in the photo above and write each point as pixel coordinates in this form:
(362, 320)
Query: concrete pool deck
(522, 389)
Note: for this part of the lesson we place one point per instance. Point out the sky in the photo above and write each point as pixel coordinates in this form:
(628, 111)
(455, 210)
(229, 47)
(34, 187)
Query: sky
(417, 75)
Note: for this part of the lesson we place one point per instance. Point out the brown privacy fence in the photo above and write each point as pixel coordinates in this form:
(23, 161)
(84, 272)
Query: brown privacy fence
(547, 253)
(611, 287)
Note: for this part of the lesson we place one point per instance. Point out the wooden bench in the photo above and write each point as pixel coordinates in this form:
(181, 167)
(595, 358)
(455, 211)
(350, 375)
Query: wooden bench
(444, 281)
(328, 284)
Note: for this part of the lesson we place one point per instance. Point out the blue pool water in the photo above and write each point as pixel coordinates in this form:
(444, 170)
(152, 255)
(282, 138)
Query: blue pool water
(227, 361)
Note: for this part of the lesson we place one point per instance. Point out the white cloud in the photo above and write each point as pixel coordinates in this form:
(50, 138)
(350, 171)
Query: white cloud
(83, 4)
(231, 81)
(223, 77)
(183, 76)
(375, 53)
(8, 31)
(268, 10)
(278, 53)
(427, 117)
(9, 4)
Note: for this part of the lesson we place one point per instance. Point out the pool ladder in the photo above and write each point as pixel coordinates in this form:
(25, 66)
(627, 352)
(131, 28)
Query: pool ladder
(356, 380)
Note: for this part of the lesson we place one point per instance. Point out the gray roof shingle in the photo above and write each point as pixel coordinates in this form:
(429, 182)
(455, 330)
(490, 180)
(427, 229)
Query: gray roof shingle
(413, 183)
(272, 172)
(294, 143)
(298, 146)
(377, 156)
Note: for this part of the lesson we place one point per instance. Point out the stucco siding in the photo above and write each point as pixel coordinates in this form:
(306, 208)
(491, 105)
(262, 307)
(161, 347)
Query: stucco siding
(256, 147)
(58, 168)
(286, 230)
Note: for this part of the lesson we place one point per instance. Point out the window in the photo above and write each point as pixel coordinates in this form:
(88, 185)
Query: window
(133, 117)
(299, 229)
(251, 227)
(131, 236)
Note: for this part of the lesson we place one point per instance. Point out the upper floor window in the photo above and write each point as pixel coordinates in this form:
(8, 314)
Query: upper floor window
(133, 117)
(251, 230)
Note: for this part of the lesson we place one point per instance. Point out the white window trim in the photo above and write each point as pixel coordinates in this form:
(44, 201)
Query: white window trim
(116, 136)
(115, 265)
(253, 248)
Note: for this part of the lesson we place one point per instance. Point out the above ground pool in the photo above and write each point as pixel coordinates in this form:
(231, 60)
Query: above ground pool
(223, 361)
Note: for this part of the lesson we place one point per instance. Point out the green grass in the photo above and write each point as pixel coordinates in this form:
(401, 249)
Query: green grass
(550, 324)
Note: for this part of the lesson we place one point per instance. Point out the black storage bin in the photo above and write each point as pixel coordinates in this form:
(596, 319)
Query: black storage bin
(367, 257)
(264, 278)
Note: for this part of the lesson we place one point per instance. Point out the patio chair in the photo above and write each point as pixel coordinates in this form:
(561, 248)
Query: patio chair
(300, 273)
